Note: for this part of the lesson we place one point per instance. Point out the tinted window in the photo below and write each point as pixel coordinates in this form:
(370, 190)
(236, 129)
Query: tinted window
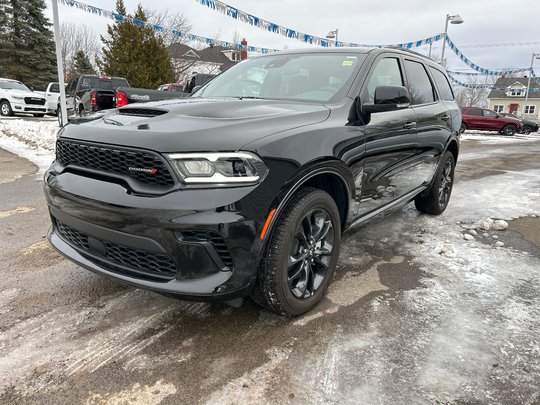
(489, 113)
(473, 111)
(445, 90)
(420, 88)
(89, 82)
(55, 88)
(386, 73)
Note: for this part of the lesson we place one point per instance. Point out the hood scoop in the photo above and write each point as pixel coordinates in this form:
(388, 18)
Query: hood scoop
(141, 112)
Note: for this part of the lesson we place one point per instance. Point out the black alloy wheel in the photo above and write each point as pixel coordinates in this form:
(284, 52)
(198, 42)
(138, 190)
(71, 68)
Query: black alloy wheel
(509, 129)
(527, 129)
(436, 199)
(310, 253)
(301, 254)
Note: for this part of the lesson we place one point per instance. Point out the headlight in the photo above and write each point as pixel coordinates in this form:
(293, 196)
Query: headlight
(17, 97)
(219, 168)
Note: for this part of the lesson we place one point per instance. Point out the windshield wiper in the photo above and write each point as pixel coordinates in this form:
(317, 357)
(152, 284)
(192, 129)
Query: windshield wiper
(250, 98)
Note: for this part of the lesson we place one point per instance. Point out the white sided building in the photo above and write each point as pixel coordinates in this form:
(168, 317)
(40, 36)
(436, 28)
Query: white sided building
(509, 96)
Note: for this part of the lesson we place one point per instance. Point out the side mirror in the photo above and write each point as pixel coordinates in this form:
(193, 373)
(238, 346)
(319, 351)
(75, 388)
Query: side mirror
(388, 98)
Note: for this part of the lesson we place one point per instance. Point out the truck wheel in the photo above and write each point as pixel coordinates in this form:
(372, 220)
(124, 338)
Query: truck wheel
(301, 255)
(39, 115)
(527, 129)
(463, 128)
(5, 109)
(509, 129)
(436, 200)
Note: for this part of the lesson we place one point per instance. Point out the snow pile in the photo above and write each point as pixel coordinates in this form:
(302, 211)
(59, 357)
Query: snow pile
(492, 138)
(33, 140)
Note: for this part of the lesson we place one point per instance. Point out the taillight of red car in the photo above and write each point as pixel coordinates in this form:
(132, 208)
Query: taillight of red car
(93, 98)
(121, 99)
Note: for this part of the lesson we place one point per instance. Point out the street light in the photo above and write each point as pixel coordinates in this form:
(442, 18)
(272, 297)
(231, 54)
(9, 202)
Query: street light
(333, 34)
(454, 19)
(537, 56)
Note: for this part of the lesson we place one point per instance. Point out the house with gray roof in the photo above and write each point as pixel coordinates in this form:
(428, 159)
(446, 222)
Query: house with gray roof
(211, 60)
(509, 93)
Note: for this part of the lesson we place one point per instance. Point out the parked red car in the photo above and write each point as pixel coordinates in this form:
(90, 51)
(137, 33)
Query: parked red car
(482, 119)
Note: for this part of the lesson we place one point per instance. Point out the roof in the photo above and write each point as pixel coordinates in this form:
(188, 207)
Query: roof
(504, 82)
(212, 54)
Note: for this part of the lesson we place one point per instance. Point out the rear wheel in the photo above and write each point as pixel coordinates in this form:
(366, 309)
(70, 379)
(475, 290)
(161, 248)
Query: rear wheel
(436, 200)
(509, 129)
(301, 255)
(463, 127)
(5, 109)
(527, 129)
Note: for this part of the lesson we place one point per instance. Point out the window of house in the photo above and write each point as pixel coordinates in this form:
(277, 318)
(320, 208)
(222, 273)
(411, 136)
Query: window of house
(516, 92)
(498, 108)
(530, 109)
(420, 87)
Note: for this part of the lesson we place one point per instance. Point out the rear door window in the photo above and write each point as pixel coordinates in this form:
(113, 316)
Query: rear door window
(420, 87)
(445, 90)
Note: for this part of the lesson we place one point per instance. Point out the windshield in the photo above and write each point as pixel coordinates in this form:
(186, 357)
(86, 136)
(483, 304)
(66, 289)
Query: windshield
(13, 86)
(310, 77)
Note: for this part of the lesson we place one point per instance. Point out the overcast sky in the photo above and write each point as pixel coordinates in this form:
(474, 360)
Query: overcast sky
(383, 21)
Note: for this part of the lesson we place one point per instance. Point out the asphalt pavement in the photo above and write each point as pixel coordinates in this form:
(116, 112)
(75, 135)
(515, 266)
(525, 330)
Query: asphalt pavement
(417, 313)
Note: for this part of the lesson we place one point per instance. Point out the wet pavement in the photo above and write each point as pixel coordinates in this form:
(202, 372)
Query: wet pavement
(416, 313)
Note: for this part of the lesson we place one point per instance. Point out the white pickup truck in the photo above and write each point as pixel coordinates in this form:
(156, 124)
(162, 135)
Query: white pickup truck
(52, 95)
(16, 98)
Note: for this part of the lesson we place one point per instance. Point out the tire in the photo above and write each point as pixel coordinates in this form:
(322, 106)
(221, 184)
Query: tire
(295, 288)
(509, 129)
(39, 115)
(81, 112)
(5, 109)
(463, 128)
(436, 200)
(526, 130)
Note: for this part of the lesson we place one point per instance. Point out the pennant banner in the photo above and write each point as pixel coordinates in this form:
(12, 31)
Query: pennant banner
(478, 68)
(486, 86)
(266, 25)
(158, 28)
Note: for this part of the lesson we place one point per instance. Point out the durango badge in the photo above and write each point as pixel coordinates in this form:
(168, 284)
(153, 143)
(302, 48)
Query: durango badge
(142, 170)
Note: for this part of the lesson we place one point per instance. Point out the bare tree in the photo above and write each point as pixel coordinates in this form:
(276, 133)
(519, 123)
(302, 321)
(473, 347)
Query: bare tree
(475, 94)
(78, 37)
(170, 21)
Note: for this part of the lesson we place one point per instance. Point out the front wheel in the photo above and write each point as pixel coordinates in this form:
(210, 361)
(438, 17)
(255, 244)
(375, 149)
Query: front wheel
(509, 129)
(527, 129)
(301, 255)
(5, 109)
(436, 200)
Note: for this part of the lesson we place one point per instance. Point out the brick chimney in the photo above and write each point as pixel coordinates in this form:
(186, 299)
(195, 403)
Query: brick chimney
(243, 52)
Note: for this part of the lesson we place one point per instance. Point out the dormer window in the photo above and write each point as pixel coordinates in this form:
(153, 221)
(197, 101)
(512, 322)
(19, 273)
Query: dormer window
(516, 92)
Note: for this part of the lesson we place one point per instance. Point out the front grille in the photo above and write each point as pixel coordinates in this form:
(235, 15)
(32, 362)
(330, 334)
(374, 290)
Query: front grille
(34, 100)
(149, 263)
(144, 166)
(214, 239)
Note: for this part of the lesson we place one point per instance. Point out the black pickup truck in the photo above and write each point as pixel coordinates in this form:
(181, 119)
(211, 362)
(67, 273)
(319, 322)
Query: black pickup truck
(86, 94)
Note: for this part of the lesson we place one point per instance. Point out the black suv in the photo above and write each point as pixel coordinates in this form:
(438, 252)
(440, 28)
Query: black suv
(246, 188)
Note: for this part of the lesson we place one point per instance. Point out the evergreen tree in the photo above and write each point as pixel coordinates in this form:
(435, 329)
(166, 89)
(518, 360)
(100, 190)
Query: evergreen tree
(27, 45)
(135, 52)
(82, 65)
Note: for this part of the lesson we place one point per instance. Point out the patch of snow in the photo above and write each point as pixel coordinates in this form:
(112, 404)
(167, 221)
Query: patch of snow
(32, 140)
(494, 138)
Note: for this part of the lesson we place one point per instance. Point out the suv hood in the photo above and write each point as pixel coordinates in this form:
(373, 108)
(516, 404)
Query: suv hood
(23, 93)
(195, 125)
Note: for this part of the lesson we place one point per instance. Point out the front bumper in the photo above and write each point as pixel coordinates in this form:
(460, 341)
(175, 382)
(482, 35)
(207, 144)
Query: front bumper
(22, 107)
(197, 244)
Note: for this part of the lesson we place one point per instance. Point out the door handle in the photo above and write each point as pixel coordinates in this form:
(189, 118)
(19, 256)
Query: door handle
(445, 117)
(410, 125)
